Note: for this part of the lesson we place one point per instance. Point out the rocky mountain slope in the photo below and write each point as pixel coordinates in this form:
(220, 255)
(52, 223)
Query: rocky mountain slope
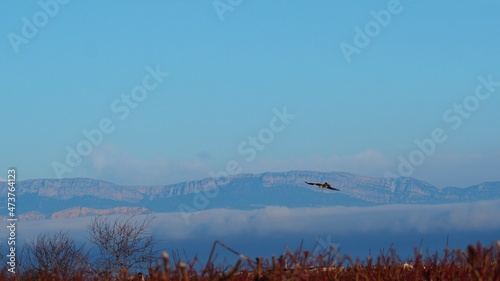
(65, 198)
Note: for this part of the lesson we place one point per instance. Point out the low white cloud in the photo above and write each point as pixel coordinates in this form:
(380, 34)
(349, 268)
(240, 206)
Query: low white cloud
(460, 169)
(455, 169)
(113, 163)
(368, 163)
(117, 165)
(334, 220)
(248, 229)
(394, 219)
(204, 155)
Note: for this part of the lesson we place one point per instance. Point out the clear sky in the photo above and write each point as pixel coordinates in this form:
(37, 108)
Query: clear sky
(259, 85)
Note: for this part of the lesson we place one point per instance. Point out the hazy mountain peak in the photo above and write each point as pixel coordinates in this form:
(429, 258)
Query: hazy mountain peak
(244, 191)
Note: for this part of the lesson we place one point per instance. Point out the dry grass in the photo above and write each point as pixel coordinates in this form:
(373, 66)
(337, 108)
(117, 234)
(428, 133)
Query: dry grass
(477, 262)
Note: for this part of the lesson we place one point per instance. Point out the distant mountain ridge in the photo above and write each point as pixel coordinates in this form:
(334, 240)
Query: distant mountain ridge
(60, 198)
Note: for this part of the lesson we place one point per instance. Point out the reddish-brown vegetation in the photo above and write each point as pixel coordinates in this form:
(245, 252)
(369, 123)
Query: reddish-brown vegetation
(477, 262)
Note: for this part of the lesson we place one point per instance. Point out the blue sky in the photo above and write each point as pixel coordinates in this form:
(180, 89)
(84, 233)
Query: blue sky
(65, 64)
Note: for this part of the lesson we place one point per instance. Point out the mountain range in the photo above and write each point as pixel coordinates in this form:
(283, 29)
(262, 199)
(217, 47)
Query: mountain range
(68, 198)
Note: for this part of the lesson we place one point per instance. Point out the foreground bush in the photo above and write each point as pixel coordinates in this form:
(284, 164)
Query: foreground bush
(477, 262)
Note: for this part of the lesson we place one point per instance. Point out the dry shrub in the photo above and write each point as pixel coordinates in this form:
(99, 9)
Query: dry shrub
(477, 262)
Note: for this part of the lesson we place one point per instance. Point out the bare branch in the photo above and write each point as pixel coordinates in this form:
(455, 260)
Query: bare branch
(123, 242)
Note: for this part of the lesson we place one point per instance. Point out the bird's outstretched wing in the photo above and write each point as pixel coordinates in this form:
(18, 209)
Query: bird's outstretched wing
(313, 183)
(323, 185)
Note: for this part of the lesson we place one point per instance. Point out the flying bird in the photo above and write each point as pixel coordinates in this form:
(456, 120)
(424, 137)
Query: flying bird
(322, 185)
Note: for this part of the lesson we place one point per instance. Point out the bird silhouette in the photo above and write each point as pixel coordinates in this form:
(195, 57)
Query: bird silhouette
(323, 185)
